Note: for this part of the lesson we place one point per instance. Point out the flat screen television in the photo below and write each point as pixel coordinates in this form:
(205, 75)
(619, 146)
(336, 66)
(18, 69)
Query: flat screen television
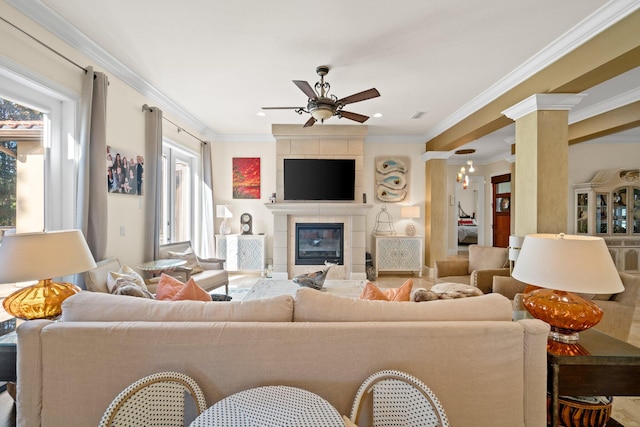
(319, 179)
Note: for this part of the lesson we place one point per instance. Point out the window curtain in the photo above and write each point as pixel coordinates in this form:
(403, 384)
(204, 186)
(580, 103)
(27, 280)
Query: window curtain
(207, 247)
(91, 207)
(152, 180)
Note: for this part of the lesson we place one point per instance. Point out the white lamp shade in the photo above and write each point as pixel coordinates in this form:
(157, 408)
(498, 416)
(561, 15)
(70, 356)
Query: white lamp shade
(45, 255)
(515, 244)
(222, 211)
(567, 263)
(410, 212)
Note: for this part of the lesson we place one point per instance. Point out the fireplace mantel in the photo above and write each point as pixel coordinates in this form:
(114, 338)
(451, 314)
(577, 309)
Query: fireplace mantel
(312, 208)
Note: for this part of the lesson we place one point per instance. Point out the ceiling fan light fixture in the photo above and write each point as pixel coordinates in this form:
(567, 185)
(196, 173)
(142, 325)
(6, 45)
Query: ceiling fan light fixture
(322, 112)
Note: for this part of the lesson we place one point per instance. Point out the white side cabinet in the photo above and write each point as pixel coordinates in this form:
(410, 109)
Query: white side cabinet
(398, 253)
(241, 252)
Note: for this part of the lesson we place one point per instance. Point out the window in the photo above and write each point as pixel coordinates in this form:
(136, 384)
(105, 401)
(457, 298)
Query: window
(21, 161)
(179, 168)
(46, 197)
(46, 201)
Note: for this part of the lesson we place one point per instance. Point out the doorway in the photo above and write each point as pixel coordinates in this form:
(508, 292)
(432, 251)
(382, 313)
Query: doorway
(501, 186)
(469, 208)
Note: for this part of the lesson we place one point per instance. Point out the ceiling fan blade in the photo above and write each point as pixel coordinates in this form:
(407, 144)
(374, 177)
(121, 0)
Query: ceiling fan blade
(281, 108)
(306, 88)
(354, 116)
(310, 122)
(357, 97)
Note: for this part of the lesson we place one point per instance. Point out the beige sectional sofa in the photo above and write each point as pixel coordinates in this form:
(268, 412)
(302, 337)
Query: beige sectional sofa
(486, 369)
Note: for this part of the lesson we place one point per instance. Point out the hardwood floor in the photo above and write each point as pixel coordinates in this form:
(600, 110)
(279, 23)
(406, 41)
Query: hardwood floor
(626, 410)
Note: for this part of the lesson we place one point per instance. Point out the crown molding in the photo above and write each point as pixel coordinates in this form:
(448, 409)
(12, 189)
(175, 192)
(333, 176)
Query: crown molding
(260, 138)
(42, 14)
(543, 101)
(435, 155)
(603, 18)
(613, 103)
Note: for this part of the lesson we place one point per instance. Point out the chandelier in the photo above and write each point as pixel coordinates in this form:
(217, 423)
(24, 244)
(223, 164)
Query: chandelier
(462, 175)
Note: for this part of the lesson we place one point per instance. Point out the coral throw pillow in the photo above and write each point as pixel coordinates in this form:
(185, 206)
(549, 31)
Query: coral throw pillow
(171, 289)
(402, 293)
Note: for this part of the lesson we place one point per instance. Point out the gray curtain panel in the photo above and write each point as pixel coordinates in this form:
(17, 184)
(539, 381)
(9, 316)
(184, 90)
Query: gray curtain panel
(205, 242)
(152, 180)
(91, 214)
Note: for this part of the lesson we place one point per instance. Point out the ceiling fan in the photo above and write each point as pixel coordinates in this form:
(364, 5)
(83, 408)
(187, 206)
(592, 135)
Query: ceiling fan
(323, 106)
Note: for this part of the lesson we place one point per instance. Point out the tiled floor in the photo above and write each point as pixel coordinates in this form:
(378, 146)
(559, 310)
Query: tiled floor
(626, 410)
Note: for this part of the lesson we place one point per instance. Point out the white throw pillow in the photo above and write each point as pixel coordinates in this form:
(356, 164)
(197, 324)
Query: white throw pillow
(124, 272)
(190, 257)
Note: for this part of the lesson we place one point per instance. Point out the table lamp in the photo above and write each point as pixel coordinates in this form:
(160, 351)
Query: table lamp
(222, 211)
(515, 244)
(41, 256)
(561, 265)
(410, 212)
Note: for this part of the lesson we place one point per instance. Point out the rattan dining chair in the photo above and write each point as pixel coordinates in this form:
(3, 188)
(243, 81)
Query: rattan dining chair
(157, 399)
(399, 399)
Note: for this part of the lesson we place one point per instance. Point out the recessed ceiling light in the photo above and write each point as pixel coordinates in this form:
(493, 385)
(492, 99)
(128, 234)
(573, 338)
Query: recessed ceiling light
(261, 113)
(377, 115)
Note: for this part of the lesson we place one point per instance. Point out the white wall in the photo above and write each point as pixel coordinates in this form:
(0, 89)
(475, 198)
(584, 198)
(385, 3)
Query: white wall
(223, 152)
(415, 182)
(125, 119)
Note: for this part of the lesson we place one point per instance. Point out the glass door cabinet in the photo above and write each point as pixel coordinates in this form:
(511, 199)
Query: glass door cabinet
(609, 206)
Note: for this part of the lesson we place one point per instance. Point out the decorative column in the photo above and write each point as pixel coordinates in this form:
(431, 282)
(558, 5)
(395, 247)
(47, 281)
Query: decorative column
(542, 147)
(435, 216)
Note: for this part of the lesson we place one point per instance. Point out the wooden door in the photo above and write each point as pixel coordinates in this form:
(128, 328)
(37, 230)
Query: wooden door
(501, 186)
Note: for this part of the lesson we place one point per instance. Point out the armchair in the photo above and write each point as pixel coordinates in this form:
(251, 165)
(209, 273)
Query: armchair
(618, 308)
(478, 270)
(208, 273)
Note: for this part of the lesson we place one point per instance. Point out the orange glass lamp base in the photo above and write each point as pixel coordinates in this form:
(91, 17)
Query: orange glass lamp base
(40, 301)
(567, 313)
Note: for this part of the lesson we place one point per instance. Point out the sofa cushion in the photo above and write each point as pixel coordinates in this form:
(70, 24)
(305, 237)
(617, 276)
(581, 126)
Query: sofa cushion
(315, 306)
(372, 292)
(486, 257)
(96, 279)
(101, 307)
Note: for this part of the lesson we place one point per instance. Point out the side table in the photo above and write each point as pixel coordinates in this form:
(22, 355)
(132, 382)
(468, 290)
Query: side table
(8, 352)
(598, 365)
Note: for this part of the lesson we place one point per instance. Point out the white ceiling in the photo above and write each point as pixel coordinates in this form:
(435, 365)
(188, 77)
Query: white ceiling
(216, 63)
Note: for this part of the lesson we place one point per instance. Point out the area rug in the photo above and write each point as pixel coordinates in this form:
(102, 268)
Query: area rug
(267, 288)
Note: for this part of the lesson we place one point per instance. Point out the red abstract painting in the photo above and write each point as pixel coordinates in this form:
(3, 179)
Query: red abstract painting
(246, 177)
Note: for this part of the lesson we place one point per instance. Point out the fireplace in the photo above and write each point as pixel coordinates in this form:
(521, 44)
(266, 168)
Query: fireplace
(319, 242)
(353, 217)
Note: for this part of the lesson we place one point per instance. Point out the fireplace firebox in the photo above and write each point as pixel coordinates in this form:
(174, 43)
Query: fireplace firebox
(319, 242)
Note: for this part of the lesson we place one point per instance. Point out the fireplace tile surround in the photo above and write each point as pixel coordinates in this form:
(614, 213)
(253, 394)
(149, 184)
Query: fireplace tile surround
(352, 215)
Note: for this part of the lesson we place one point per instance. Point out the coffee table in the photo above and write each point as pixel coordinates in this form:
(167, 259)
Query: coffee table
(267, 288)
